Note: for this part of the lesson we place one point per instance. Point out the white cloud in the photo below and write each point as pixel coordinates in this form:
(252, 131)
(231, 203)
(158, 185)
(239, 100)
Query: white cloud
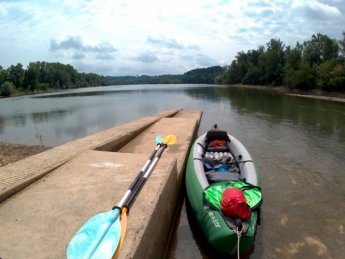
(147, 57)
(155, 36)
(315, 10)
(77, 43)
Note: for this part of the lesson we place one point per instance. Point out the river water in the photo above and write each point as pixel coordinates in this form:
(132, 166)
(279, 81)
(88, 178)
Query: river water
(298, 145)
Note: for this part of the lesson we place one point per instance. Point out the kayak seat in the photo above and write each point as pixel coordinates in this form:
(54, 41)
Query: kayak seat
(214, 176)
(217, 141)
(217, 134)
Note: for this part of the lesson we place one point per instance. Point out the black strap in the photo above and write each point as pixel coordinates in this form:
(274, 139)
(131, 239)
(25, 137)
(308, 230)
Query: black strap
(201, 146)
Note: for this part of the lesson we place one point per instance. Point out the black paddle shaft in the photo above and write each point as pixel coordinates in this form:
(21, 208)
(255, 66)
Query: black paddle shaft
(134, 183)
(143, 179)
(137, 178)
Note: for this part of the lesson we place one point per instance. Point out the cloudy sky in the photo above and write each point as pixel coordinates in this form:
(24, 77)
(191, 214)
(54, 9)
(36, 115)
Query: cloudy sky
(135, 37)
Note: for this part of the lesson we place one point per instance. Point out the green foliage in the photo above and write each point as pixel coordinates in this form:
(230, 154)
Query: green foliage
(15, 74)
(342, 48)
(337, 81)
(293, 57)
(301, 78)
(317, 63)
(331, 76)
(319, 49)
(144, 79)
(272, 62)
(196, 76)
(7, 89)
(252, 76)
(42, 76)
(202, 75)
(31, 77)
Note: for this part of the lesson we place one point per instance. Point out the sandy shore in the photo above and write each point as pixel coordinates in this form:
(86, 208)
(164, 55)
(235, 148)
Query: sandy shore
(328, 98)
(314, 94)
(10, 153)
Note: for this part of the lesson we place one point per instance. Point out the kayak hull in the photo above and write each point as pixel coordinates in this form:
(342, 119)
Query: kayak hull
(219, 235)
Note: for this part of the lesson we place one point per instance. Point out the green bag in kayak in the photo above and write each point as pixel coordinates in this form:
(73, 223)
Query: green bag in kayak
(213, 193)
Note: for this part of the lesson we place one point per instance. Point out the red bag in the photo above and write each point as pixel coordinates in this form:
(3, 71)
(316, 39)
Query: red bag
(235, 205)
(217, 143)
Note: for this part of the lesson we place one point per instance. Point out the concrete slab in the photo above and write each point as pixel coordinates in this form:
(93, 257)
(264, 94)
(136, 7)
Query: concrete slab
(18, 175)
(39, 221)
(183, 127)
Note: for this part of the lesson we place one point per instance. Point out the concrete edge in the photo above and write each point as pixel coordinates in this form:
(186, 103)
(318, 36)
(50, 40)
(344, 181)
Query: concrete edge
(16, 176)
(158, 225)
(167, 114)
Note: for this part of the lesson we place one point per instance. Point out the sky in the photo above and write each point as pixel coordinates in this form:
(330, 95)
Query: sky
(155, 37)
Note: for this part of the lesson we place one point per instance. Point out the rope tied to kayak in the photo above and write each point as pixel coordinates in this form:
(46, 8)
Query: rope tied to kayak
(238, 232)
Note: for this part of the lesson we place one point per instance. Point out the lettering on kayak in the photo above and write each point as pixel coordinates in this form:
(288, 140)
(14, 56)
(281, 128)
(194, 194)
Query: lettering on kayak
(212, 216)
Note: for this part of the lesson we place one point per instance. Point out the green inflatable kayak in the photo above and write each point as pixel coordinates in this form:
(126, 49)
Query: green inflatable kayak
(218, 161)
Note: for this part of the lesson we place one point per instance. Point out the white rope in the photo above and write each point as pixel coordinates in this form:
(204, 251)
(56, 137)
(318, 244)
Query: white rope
(239, 233)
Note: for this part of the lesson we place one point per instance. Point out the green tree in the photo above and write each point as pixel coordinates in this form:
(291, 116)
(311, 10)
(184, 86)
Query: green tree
(7, 89)
(198, 76)
(331, 76)
(253, 76)
(272, 62)
(31, 78)
(255, 70)
(3, 75)
(233, 74)
(15, 75)
(293, 56)
(319, 49)
(337, 81)
(302, 78)
(342, 47)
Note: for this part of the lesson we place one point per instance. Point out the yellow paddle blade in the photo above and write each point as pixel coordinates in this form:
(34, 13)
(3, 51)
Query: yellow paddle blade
(169, 140)
(123, 223)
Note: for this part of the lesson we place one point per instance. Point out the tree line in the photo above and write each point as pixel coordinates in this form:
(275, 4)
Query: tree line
(42, 76)
(318, 63)
(195, 76)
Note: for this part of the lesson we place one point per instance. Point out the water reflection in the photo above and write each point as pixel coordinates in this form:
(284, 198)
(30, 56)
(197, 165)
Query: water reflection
(209, 94)
(318, 115)
(202, 93)
(76, 94)
(2, 124)
(39, 117)
(298, 145)
(17, 120)
(93, 105)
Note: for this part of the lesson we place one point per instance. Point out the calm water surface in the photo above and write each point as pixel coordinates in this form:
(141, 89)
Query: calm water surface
(298, 145)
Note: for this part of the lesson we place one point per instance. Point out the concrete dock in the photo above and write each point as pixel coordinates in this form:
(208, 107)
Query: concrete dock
(46, 198)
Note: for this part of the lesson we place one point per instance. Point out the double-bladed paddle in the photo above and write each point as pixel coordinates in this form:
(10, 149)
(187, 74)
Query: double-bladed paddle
(103, 234)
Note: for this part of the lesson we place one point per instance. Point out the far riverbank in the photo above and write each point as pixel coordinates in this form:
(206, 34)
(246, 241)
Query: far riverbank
(314, 94)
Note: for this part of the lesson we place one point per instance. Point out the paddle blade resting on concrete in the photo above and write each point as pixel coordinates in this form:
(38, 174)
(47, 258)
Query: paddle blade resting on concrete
(97, 238)
(159, 140)
(169, 140)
